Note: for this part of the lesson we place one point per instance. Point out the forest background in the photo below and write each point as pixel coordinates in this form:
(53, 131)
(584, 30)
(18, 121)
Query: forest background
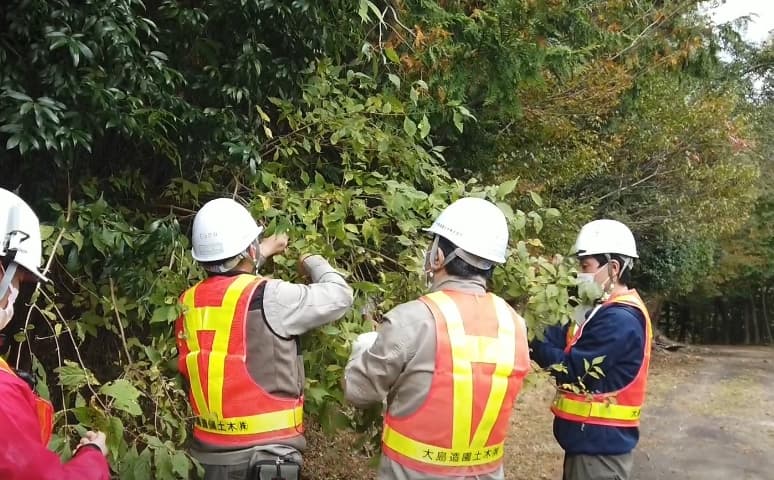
(350, 125)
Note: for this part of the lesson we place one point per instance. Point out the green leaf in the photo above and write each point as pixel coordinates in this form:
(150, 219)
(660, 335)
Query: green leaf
(115, 434)
(519, 220)
(12, 142)
(409, 126)
(598, 360)
(125, 395)
(17, 95)
(536, 199)
(537, 221)
(143, 465)
(392, 55)
(424, 127)
(414, 95)
(72, 375)
(163, 463)
(507, 187)
(394, 79)
(506, 209)
(458, 121)
(181, 465)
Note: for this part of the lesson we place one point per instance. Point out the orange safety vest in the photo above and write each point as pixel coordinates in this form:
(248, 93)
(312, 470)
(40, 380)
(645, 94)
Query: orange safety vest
(231, 409)
(481, 360)
(43, 409)
(620, 408)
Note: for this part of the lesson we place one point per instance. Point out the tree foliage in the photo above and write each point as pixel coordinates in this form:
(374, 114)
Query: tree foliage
(350, 125)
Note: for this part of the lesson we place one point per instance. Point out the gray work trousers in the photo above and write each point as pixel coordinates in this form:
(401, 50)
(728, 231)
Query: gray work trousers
(598, 467)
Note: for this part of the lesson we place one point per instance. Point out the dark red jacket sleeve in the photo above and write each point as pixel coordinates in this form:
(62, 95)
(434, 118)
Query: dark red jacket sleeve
(23, 455)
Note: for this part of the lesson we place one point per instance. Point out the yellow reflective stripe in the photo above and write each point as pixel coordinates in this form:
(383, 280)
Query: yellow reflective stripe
(462, 371)
(631, 298)
(467, 349)
(263, 422)
(506, 336)
(588, 409)
(434, 455)
(480, 349)
(190, 322)
(223, 317)
(217, 319)
(4, 367)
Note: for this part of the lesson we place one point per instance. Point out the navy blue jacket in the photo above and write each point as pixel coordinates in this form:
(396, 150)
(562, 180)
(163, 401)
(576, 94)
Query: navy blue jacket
(616, 332)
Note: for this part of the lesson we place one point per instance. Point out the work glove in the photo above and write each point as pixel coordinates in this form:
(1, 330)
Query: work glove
(363, 342)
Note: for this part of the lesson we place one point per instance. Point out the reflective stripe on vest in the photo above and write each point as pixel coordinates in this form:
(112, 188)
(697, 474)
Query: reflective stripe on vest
(587, 409)
(468, 447)
(250, 413)
(617, 409)
(44, 411)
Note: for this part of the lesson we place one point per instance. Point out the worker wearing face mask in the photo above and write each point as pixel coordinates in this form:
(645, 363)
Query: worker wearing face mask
(598, 428)
(238, 340)
(26, 420)
(449, 364)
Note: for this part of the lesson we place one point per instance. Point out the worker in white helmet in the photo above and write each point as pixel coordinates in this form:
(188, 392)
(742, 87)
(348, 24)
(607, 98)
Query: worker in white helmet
(238, 341)
(449, 364)
(26, 420)
(598, 428)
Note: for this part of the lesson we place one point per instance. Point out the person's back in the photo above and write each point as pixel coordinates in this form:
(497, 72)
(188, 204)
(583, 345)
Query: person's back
(239, 349)
(25, 418)
(450, 366)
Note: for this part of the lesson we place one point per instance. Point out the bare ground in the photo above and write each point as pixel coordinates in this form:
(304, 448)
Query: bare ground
(709, 416)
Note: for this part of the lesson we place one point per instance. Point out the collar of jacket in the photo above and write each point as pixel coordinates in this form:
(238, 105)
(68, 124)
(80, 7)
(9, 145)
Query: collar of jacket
(475, 285)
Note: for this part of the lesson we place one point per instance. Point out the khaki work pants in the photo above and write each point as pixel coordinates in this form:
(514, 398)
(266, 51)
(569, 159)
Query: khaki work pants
(598, 467)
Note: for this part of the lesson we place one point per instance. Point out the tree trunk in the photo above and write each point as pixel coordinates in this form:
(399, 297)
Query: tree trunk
(725, 323)
(746, 324)
(685, 318)
(766, 324)
(756, 338)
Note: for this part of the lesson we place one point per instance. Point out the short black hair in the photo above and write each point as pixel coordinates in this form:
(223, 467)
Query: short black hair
(624, 277)
(459, 267)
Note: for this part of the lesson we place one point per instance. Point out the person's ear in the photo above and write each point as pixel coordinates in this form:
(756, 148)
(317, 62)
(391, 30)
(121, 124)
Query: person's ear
(615, 268)
(437, 262)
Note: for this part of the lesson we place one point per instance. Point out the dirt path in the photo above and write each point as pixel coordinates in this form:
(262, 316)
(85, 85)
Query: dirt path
(709, 416)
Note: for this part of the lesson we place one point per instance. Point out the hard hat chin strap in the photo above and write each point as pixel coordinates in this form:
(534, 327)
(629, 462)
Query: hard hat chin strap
(466, 257)
(8, 275)
(628, 262)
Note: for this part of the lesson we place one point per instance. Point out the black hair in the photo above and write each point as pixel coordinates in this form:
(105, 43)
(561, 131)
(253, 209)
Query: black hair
(624, 277)
(459, 267)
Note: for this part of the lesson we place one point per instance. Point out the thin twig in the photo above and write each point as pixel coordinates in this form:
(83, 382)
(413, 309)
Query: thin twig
(77, 350)
(48, 265)
(118, 319)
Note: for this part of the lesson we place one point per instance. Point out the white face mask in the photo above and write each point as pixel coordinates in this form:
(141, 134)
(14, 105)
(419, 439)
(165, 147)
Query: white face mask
(6, 314)
(589, 291)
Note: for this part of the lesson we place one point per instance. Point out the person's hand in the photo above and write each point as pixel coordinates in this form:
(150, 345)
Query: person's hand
(273, 245)
(301, 267)
(363, 342)
(95, 438)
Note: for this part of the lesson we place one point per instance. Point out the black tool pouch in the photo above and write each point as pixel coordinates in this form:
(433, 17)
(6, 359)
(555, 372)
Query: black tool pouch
(279, 469)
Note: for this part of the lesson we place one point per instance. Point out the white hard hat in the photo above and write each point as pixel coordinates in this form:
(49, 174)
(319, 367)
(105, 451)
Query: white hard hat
(605, 236)
(476, 226)
(20, 233)
(222, 229)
